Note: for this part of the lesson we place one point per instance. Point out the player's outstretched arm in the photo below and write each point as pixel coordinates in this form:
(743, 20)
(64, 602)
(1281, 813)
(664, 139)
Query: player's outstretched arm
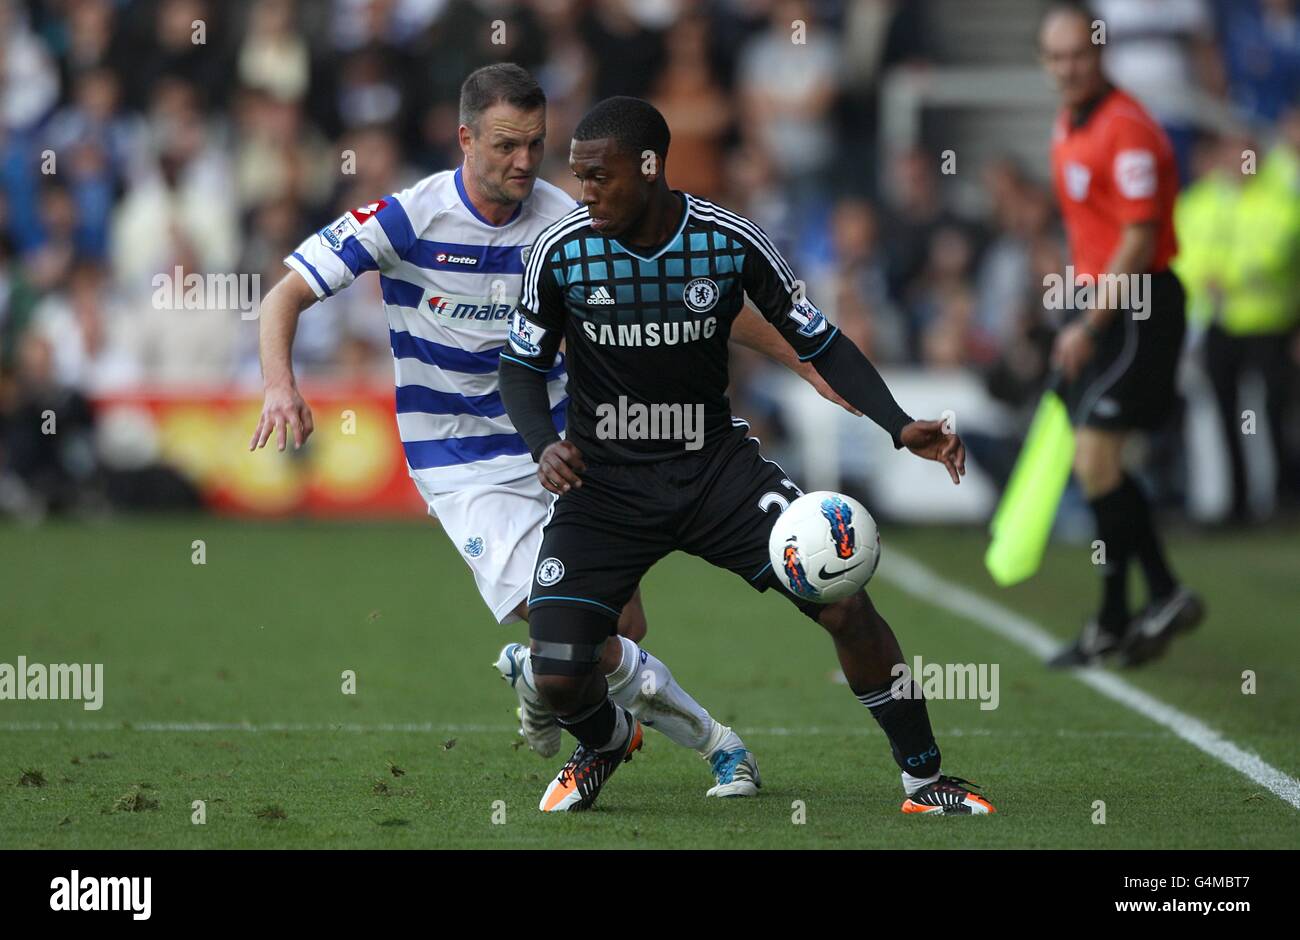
(753, 332)
(853, 376)
(283, 408)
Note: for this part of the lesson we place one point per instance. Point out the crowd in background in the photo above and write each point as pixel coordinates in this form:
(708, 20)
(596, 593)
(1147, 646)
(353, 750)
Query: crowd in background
(220, 155)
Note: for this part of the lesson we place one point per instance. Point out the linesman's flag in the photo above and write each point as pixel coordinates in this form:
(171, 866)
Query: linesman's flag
(1024, 517)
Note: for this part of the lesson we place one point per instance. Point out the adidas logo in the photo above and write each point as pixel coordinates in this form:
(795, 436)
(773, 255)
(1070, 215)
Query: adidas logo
(600, 298)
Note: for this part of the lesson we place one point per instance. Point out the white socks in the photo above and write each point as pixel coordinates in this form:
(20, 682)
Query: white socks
(912, 784)
(644, 686)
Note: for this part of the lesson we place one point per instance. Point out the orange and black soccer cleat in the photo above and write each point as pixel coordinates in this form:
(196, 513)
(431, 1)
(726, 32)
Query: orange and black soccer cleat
(579, 781)
(948, 795)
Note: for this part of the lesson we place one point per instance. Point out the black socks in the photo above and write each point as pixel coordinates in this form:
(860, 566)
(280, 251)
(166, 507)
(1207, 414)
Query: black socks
(1146, 544)
(1115, 531)
(593, 726)
(906, 723)
(1125, 526)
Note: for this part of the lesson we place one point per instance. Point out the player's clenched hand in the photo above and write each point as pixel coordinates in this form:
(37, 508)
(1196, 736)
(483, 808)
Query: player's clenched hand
(284, 410)
(559, 466)
(928, 439)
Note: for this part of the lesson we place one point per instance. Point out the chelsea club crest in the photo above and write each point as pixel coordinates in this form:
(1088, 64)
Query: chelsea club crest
(700, 294)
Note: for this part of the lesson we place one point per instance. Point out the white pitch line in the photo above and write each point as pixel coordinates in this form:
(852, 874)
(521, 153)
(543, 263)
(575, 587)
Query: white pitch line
(425, 727)
(920, 581)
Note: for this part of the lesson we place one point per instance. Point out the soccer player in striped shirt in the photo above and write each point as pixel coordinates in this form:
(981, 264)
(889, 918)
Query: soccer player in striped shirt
(450, 252)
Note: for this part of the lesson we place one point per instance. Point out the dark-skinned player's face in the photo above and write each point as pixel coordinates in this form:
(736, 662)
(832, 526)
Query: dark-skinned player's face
(615, 189)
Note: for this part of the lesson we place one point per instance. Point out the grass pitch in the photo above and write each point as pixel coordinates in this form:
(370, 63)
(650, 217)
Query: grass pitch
(223, 684)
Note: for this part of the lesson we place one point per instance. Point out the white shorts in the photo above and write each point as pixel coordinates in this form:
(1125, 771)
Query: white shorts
(497, 529)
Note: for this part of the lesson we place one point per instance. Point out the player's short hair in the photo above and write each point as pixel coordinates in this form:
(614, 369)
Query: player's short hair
(635, 124)
(502, 81)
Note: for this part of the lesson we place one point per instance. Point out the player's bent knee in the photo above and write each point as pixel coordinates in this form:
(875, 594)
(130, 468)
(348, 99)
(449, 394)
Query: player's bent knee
(563, 694)
(567, 643)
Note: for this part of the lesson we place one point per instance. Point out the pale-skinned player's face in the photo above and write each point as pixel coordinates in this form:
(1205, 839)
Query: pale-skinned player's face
(615, 189)
(1071, 58)
(505, 154)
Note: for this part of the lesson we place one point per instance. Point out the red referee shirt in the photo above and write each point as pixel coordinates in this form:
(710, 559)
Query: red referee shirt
(1113, 167)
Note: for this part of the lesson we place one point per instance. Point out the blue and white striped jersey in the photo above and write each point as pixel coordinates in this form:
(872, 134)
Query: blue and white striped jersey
(450, 280)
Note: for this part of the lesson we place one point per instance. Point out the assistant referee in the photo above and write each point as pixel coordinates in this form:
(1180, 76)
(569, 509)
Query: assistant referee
(1116, 180)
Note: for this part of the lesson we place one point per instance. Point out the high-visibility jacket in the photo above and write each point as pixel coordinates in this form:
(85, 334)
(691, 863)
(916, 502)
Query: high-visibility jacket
(1243, 237)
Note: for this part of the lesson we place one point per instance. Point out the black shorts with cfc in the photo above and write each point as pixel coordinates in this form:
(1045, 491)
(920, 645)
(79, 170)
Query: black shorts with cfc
(1130, 382)
(718, 503)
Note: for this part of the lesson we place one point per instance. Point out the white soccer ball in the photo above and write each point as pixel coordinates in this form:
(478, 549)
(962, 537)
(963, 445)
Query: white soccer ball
(825, 547)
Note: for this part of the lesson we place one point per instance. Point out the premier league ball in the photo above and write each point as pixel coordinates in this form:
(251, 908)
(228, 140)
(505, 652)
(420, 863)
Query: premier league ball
(825, 547)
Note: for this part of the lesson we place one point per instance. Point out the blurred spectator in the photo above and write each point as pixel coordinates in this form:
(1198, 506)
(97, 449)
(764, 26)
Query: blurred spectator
(1022, 213)
(1261, 51)
(92, 40)
(274, 56)
(1239, 234)
(45, 437)
(787, 91)
(915, 211)
(878, 35)
(277, 154)
(627, 53)
(92, 339)
(930, 253)
(754, 190)
(179, 220)
(181, 40)
(696, 108)
(97, 145)
(29, 81)
(852, 287)
(359, 23)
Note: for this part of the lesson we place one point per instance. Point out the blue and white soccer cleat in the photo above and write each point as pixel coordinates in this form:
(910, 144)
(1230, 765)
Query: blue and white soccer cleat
(736, 771)
(537, 723)
(733, 765)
